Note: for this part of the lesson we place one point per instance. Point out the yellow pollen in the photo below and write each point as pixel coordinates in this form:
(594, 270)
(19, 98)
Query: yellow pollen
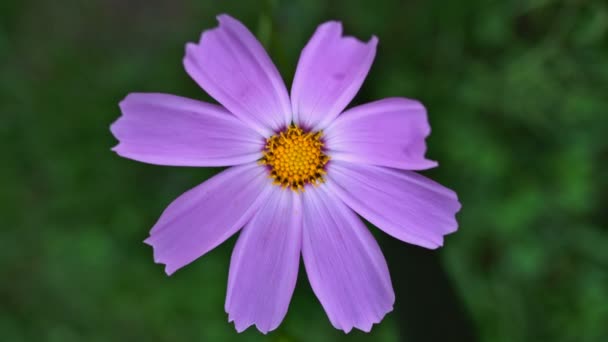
(295, 158)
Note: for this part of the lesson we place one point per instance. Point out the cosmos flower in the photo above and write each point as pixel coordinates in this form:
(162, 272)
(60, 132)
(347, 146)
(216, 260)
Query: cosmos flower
(301, 169)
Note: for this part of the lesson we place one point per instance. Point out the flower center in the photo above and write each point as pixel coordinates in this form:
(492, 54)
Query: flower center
(295, 158)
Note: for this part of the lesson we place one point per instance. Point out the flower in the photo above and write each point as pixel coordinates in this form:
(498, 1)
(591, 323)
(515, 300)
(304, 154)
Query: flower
(300, 167)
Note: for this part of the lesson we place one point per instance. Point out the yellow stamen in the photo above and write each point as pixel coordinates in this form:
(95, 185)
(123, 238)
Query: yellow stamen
(295, 158)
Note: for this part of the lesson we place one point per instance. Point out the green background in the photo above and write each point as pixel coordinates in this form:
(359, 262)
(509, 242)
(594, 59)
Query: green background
(517, 99)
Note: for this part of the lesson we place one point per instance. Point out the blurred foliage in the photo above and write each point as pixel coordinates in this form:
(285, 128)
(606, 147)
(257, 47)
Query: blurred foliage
(516, 93)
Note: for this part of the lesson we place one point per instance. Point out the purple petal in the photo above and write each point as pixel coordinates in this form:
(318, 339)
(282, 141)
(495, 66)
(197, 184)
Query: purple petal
(345, 266)
(264, 265)
(388, 132)
(208, 214)
(330, 71)
(232, 66)
(404, 204)
(171, 130)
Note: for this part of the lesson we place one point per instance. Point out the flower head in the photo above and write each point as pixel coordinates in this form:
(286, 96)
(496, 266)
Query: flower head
(301, 168)
(295, 158)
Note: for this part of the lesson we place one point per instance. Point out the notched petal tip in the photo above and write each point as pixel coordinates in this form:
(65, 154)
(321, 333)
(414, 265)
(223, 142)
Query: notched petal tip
(436, 245)
(338, 29)
(379, 319)
(134, 99)
(189, 60)
(373, 40)
(431, 243)
(240, 329)
(114, 125)
(430, 164)
(114, 130)
(241, 326)
(456, 209)
(423, 164)
(368, 326)
(169, 270)
(224, 18)
(148, 241)
(129, 97)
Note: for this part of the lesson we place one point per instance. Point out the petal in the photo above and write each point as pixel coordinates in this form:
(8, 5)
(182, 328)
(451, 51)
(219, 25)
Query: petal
(404, 204)
(330, 72)
(232, 66)
(264, 265)
(345, 266)
(388, 132)
(208, 214)
(171, 130)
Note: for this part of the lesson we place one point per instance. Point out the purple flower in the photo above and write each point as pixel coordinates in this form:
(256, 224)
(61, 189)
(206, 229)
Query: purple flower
(301, 170)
